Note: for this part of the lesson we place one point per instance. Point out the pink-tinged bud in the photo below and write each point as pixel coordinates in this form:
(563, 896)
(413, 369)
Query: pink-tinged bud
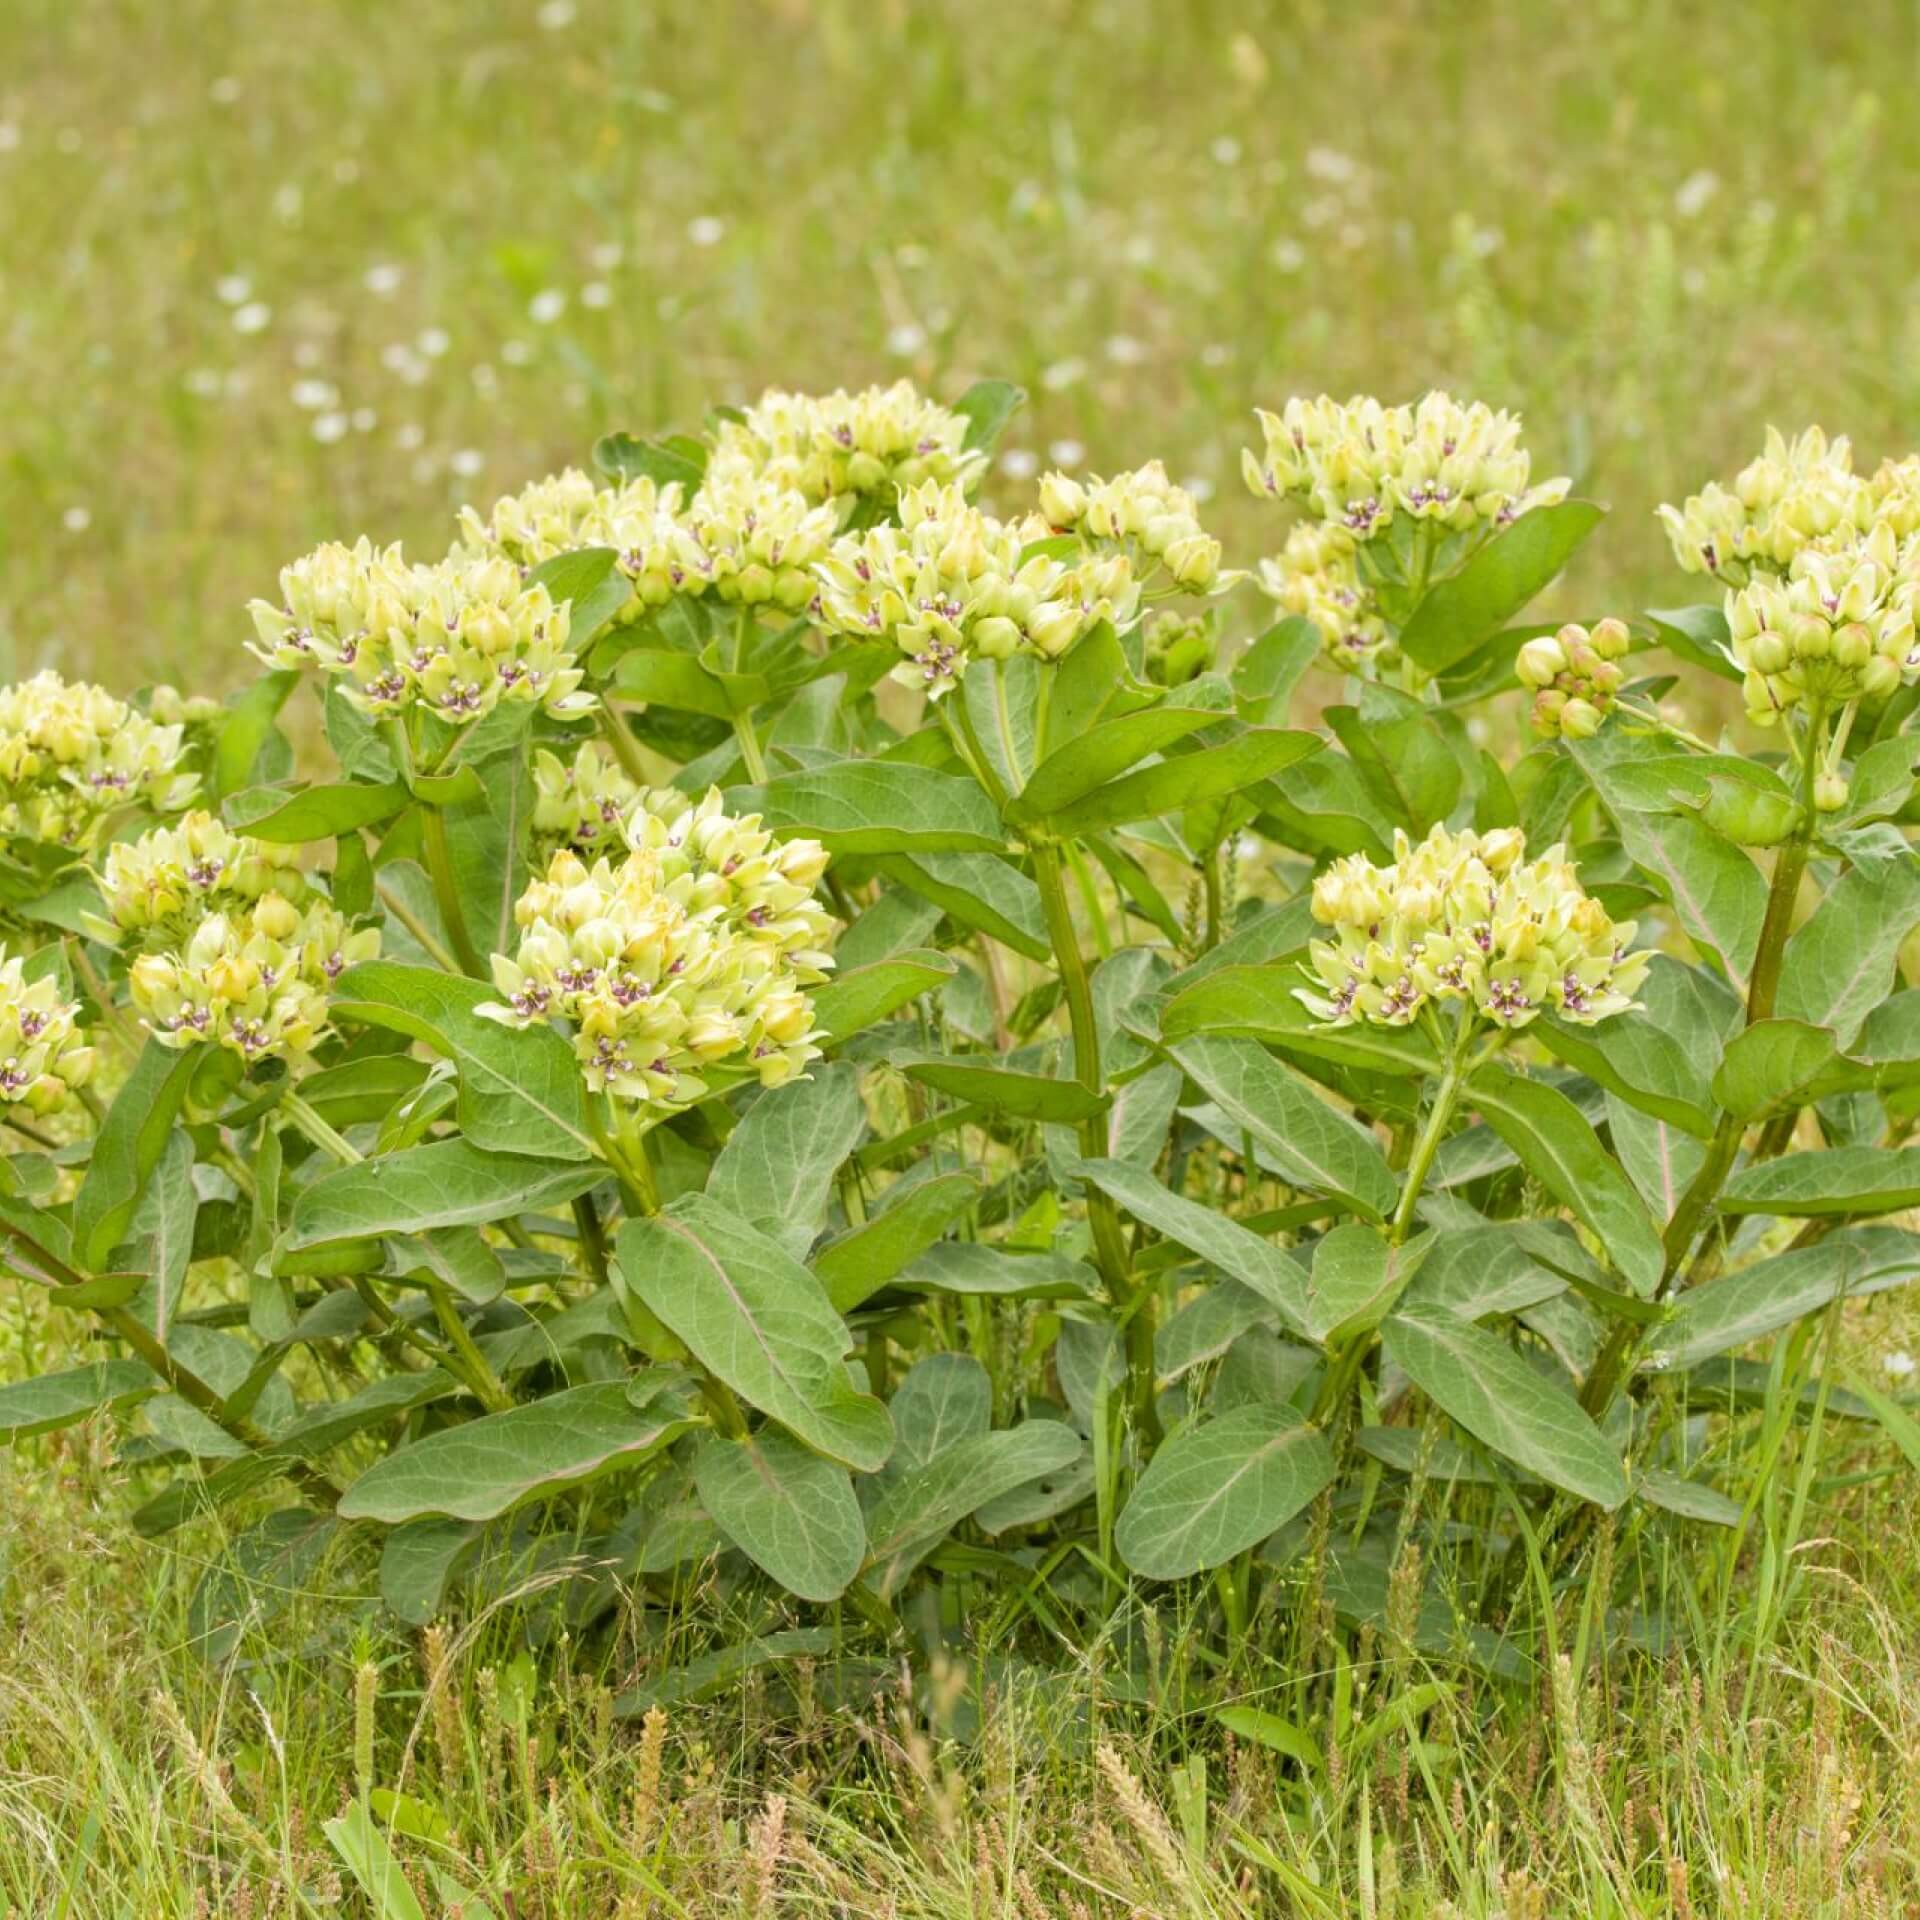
(1540, 662)
(1611, 640)
(1579, 720)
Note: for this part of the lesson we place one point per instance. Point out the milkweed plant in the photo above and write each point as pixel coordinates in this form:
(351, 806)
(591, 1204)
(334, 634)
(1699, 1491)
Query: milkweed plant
(826, 1028)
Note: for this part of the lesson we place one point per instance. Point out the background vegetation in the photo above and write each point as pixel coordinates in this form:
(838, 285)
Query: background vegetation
(267, 278)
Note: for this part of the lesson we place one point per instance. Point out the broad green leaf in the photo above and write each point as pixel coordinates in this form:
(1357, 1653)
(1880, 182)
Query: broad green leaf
(361, 1845)
(520, 1089)
(877, 806)
(49, 1401)
(1269, 1271)
(1404, 750)
(862, 1260)
(1900, 1425)
(447, 1183)
(1357, 1277)
(971, 1266)
(1231, 767)
(1661, 1160)
(1263, 1003)
(1839, 1180)
(1315, 1145)
(677, 461)
(790, 1512)
(290, 815)
(1476, 1271)
(921, 1507)
(489, 1465)
(246, 729)
(1637, 1059)
(255, 1578)
(1462, 611)
(1266, 674)
(1689, 1499)
(657, 676)
(1220, 1486)
(128, 1148)
(852, 1001)
(1700, 636)
(1506, 1404)
(1737, 1308)
(1027, 1096)
(589, 580)
(987, 406)
(944, 1401)
(417, 1561)
(717, 1672)
(1555, 1143)
(1773, 1066)
(1204, 1326)
(1076, 767)
(755, 1317)
(1842, 963)
(979, 891)
(1275, 1733)
(777, 1169)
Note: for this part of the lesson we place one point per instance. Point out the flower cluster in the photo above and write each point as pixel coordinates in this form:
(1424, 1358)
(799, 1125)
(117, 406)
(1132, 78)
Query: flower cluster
(755, 540)
(158, 888)
(252, 978)
(1156, 523)
(1177, 647)
(1317, 578)
(1357, 463)
(582, 804)
(1796, 494)
(44, 1055)
(1466, 917)
(1835, 627)
(71, 754)
(838, 447)
(1576, 674)
(455, 638)
(687, 958)
(951, 582)
(566, 511)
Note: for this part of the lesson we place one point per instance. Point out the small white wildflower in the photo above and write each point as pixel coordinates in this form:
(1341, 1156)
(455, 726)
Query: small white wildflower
(383, 279)
(1690, 198)
(1329, 163)
(346, 170)
(1216, 353)
(707, 230)
(1125, 351)
(288, 204)
(607, 255)
(76, 519)
(1066, 453)
(329, 427)
(411, 437)
(546, 306)
(906, 339)
(1288, 255)
(1019, 463)
(516, 353)
(365, 419)
(556, 15)
(314, 395)
(233, 288)
(203, 383)
(224, 91)
(484, 379)
(434, 341)
(1063, 374)
(468, 462)
(1900, 1364)
(253, 317)
(1226, 151)
(597, 294)
(9, 136)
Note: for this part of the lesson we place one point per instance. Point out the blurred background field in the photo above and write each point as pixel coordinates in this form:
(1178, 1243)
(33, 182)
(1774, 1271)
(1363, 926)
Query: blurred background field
(273, 275)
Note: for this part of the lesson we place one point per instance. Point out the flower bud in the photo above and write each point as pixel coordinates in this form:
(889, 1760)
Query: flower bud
(1540, 662)
(1830, 792)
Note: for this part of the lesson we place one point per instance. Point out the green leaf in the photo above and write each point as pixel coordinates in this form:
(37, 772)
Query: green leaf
(1263, 1003)
(755, 1317)
(1269, 1271)
(489, 1465)
(50, 1401)
(1460, 613)
(589, 581)
(1180, 782)
(1689, 1499)
(1661, 1160)
(1773, 1067)
(1505, 1403)
(1219, 1487)
(417, 1561)
(987, 406)
(667, 463)
(1476, 1271)
(1314, 1144)
(1839, 1180)
(1634, 1056)
(717, 1672)
(980, 1080)
(246, 729)
(288, 816)
(1357, 1277)
(1700, 636)
(860, 1262)
(128, 1148)
(1900, 1425)
(793, 1514)
(877, 806)
(1843, 962)
(979, 891)
(520, 1088)
(917, 1510)
(447, 1183)
(1076, 767)
(364, 1849)
(660, 677)
(973, 1267)
(1554, 1142)
(777, 1168)
(1265, 676)
(853, 1001)
(1737, 1308)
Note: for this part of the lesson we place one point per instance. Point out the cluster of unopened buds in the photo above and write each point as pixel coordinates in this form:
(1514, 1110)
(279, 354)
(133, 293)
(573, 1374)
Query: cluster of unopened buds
(44, 1054)
(841, 447)
(950, 583)
(1466, 918)
(71, 755)
(582, 803)
(157, 889)
(1576, 673)
(1316, 577)
(686, 960)
(1794, 495)
(1144, 514)
(1835, 628)
(1357, 463)
(454, 639)
(1177, 647)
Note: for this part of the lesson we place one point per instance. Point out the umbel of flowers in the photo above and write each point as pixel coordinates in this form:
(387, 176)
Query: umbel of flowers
(687, 959)
(1144, 515)
(1316, 577)
(44, 1052)
(951, 583)
(232, 946)
(1576, 673)
(582, 803)
(71, 755)
(1466, 919)
(454, 639)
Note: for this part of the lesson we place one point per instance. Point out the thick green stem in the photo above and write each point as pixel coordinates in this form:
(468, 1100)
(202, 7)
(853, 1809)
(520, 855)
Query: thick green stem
(421, 932)
(480, 1378)
(318, 1130)
(755, 760)
(446, 891)
(1446, 1097)
(626, 749)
